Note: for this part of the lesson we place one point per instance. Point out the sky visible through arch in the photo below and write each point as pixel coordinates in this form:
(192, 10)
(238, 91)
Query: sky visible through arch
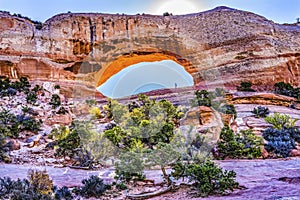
(146, 76)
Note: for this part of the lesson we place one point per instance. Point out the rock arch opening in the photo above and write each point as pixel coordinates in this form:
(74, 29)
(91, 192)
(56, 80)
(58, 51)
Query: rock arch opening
(135, 57)
(145, 77)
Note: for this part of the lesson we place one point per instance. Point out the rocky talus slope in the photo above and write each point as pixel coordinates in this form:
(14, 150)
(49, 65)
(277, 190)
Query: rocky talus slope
(222, 46)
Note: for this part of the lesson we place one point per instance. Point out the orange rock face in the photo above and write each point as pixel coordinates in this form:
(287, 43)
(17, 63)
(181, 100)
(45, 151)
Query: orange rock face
(220, 47)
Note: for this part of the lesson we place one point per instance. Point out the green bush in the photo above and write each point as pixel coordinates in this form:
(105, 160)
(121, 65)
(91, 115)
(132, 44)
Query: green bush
(203, 98)
(284, 89)
(282, 137)
(37, 88)
(40, 181)
(8, 88)
(142, 127)
(62, 110)
(220, 92)
(95, 112)
(23, 189)
(59, 133)
(68, 145)
(281, 121)
(243, 145)
(130, 167)
(9, 124)
(31, 98)
(245, 87)
(93, 187)
(63, 194)
(3, 149)
(260, 112)
(84, 158)
(228, 109)
(55, 101)
(29, 123)
(281, 141)
(91, 102)
(208, 178)
(164, 155)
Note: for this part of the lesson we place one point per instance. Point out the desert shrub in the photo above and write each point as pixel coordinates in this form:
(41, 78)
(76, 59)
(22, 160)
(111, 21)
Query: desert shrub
(31, 98)
(62, 110)
(3, 149)
(59, 133)
(280, 142)
(129, 167)
(63, 193)
(284, 88)
(164, 155)
(84, 158)
(121, 186)
(260, 112)
(143, 127)
(282, 136)
(68, 144)
(9, 92)
(8, 88)
(287, 90)
(25, 109)
(203, 98)
(24, 82)
(220, 92)
(55, 101)
(9, 124)
(245, 87)
(243, 145)
(56, 86)
(208, 178)
(95, 112)
(93, 187)
(37, 88)
(281, 121)
(29, 123)
(40, 181)
(20, 189)
(91, 102)
(227, 109)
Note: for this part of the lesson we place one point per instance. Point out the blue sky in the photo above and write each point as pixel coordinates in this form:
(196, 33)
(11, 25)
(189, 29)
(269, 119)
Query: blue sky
(143, 77)
(280, 11)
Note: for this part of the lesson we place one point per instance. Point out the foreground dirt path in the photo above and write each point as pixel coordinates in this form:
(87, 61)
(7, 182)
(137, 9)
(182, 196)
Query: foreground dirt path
(260, 177)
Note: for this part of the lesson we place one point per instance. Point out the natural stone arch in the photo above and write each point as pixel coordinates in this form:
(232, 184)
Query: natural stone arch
(223, 46)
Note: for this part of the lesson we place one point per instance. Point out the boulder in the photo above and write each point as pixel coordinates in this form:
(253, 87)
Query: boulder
(13, 145)
(34, 140)
(265, 153)
(64, 119)
(295, 153)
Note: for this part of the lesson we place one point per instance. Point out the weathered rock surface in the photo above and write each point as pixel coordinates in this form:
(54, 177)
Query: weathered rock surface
(13, 145)
(64, 119)
(245, 118)
(222, 46)
(262, 179)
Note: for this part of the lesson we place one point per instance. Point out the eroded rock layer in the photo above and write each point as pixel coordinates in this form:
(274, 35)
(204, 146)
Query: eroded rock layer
(222, 46)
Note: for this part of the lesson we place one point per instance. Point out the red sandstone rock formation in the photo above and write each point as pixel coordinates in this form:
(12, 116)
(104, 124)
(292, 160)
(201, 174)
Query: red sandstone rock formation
(219, 47)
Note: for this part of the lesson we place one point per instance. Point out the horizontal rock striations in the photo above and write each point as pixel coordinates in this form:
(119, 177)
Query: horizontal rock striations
(219, 47)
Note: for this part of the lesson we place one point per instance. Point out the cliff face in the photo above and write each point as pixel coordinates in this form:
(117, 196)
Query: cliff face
(222, 46)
